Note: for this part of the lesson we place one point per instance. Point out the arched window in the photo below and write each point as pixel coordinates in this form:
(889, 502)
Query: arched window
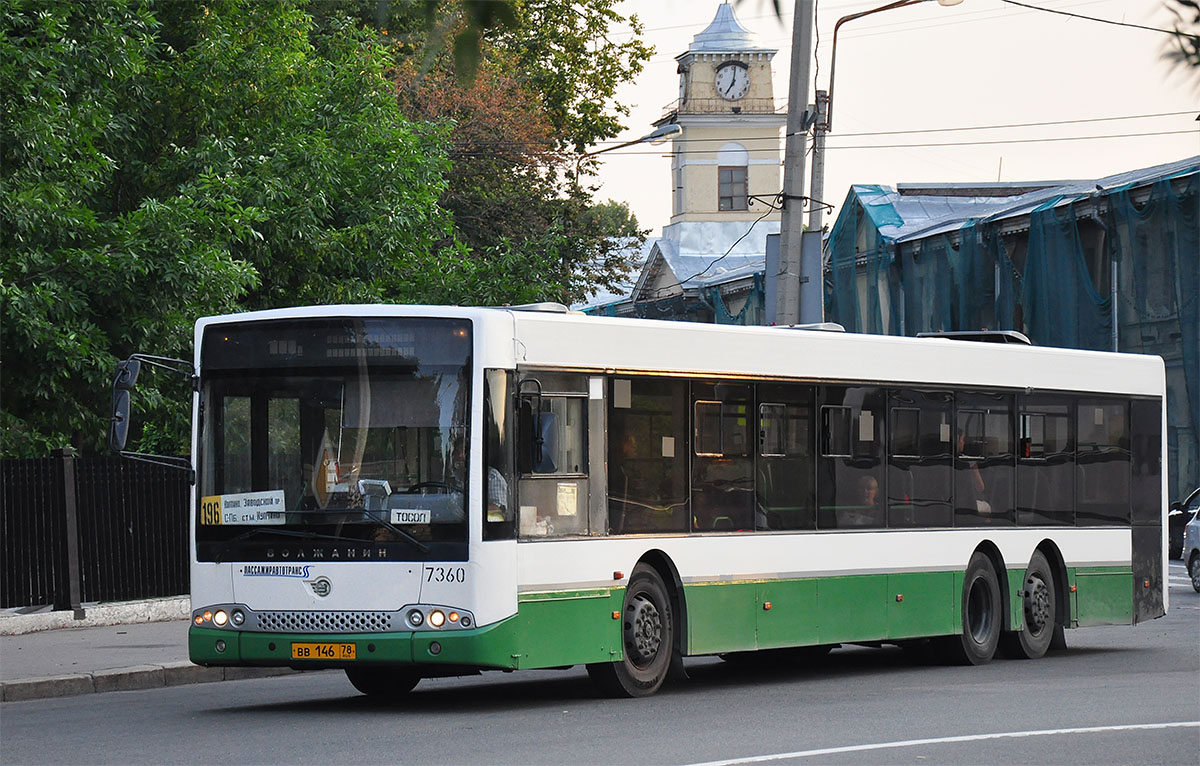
(732, 180)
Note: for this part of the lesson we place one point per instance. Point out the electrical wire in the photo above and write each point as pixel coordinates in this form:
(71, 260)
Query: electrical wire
(939, 130)
(770, 209)
(1014, 141)
(889, 27)
(971, 143)
(1090, 18)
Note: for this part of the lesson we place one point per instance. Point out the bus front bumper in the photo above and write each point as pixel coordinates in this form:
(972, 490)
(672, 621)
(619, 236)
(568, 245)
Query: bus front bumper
(492, 646)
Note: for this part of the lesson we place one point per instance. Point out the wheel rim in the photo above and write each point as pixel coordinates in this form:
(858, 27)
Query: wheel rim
(1039, 609)
(1194, 569)
(643, 630)
(979, 611)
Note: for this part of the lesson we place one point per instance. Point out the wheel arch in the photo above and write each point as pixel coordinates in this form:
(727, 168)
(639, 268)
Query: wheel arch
(662, 563)
(992, 552)
(1062, 591)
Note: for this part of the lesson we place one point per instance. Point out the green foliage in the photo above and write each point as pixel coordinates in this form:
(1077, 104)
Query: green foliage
(194, 160)
(167, 160)
(566, 52)
(1185, 48)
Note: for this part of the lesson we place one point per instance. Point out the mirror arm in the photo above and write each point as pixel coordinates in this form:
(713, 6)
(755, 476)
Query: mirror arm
(169, 461)
(181, 366)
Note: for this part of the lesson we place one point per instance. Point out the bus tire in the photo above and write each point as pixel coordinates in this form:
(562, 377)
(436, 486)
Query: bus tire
(981, 614)
(382, 683)
(1040, 607)
(648, 636)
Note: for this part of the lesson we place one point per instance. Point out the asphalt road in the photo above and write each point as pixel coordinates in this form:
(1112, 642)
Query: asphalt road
(1117, 695)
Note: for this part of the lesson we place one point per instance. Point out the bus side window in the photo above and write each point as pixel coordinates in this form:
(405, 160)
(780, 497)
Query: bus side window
(785, 470)
(554, 483)
(1045, 479)
(1102, 460)
(499, 512)
(850, 477)
(919, 483)
(647, 455)
(984, 460)
(722, 463)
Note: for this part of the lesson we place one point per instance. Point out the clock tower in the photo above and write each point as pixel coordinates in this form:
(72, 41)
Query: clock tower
(729, 151)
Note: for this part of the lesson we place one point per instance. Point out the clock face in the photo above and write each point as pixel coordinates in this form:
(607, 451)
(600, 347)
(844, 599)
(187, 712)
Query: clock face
(732, 81)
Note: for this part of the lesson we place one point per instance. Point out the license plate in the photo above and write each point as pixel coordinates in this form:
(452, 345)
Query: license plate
(323, 652)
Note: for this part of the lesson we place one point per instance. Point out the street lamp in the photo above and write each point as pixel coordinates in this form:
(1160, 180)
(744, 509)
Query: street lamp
(824, 100)
(655, 137)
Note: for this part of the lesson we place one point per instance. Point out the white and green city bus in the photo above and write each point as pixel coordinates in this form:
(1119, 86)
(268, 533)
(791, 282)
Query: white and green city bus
(410, 491)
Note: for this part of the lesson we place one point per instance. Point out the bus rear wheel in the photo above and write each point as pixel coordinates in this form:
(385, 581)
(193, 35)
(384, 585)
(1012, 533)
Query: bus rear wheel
(648, 636)
(981, 614)
(383, 683)
(1040, 607)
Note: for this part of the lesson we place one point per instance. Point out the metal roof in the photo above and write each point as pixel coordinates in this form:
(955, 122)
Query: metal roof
(901, 217)
(725, 34)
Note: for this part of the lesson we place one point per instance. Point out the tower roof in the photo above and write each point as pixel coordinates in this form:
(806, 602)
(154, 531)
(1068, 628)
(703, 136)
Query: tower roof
(724, 34)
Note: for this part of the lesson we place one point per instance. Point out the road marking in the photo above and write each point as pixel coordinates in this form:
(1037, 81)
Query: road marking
(944, 740)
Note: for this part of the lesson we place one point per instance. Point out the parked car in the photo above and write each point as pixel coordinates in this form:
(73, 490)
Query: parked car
(1177, 518)
(1191, 550)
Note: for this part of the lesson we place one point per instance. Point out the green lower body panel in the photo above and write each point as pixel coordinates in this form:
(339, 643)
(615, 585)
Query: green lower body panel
(852, 608)
(923, 604)
(1104, 596)
(770, 614)
(787, 615)
(569, 628)
(721, 616)
(576, 627)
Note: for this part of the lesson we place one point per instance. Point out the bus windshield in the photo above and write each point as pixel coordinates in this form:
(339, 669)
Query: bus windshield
(335, 439)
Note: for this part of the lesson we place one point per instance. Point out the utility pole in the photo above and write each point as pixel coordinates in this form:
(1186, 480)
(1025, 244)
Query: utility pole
(816, 213)
(787, 309)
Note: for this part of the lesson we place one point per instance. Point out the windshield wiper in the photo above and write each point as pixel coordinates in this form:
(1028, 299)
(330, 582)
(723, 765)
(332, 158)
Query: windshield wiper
(422, 547)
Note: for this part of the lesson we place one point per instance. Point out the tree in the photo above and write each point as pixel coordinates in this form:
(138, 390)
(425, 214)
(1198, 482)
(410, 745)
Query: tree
(185, 160)
(517, 188)
(1186, 49)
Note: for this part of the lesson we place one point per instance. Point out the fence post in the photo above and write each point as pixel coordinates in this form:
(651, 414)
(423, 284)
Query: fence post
(66, 595)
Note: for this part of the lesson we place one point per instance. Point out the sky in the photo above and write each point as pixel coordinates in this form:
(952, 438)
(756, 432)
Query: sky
(981, 63)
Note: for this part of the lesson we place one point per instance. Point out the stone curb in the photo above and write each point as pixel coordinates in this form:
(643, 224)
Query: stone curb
(98, 615)
(126, 679)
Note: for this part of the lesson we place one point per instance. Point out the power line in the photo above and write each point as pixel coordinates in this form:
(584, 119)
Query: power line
(1013, 125)
(1014, 140)
(947, 130)
(1090, 18)
(890, 27)
(972, 143)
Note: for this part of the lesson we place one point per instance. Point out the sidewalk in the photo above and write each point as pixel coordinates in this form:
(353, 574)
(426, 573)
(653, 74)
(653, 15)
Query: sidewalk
(114, 648)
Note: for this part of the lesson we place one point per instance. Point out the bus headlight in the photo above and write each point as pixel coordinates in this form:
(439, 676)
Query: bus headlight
(437, 618)
(238, 617)
(220, 618)
(415, 618)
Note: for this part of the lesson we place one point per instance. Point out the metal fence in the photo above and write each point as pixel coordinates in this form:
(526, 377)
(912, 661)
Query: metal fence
(78, 530)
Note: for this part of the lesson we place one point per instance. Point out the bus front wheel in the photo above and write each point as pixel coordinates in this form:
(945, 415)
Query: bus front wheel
(648, 638)
(981, 614)
(1040, 606)
(382, 683)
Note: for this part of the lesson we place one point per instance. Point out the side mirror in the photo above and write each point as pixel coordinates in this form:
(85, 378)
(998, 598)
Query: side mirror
(538, 439)
(126, 375)
(118, 427)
